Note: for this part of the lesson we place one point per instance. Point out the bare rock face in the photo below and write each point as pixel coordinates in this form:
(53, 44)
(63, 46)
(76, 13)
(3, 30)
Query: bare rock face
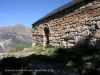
(42, 68)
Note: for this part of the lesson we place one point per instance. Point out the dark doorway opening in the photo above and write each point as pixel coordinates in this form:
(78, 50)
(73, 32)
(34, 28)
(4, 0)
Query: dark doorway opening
(46, 32)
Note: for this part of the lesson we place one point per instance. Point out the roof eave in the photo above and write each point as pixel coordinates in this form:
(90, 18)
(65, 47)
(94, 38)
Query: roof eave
(58, 10)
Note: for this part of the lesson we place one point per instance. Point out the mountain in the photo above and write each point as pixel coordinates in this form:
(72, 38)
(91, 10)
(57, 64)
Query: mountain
(12, 36)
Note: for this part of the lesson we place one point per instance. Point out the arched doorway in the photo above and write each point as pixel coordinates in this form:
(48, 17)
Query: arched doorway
(46, 32)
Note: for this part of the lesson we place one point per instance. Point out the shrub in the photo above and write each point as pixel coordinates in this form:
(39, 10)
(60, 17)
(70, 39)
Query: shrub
(38, 44)
(49, 46)
(18, 48)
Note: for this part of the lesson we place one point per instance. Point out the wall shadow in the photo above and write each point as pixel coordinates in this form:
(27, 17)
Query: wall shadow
(86, 59)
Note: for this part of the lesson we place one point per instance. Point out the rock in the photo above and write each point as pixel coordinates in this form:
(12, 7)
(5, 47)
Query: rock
(64, 43)
(52, 38)
(63, 36)
(69, 38)
(71, 41)
(42, 68)
(78, 29)
(84, 28)
(68, 26)
(75, 33)
(85, 33)
(79, 40)
(97, 34)
(98, 18)
(86, 19)
(92, 28)
(94, 23)
(56, 44)
(79, 34)
(70, 45)
(89, 5)
(72, 29)
(89, 23)
(98, 24)
(91, 18)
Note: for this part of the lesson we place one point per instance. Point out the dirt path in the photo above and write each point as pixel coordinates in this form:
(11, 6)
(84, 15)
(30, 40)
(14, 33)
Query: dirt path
(16, 54)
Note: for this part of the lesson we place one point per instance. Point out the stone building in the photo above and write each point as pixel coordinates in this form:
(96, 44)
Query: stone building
(69, 25)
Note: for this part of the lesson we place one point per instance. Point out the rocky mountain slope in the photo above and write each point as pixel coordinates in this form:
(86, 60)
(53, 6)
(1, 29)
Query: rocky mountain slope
(12, 36)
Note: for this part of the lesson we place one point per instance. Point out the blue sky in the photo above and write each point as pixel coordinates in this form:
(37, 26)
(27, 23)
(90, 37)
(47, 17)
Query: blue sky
(26, 12)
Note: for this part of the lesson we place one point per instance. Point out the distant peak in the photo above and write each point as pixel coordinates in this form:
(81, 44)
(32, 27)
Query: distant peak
(19, 24)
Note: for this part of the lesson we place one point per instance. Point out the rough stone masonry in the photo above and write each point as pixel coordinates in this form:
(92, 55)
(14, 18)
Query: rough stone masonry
(69, 25)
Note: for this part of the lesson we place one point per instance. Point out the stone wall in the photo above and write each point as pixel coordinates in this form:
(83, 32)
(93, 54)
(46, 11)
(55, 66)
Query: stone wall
(71, 26)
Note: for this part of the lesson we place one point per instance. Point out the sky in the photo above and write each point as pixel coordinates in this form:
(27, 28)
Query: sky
(26, 12)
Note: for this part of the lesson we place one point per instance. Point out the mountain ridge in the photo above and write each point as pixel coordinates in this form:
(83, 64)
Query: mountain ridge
(17, 34)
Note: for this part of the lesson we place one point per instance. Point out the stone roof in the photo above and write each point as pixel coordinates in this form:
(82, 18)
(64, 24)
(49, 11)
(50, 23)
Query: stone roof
(59, 9)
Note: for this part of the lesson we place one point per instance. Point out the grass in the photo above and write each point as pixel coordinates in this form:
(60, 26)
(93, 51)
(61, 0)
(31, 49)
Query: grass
(17, 49)
(38, 49)
(87, 59)
(41, 50)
